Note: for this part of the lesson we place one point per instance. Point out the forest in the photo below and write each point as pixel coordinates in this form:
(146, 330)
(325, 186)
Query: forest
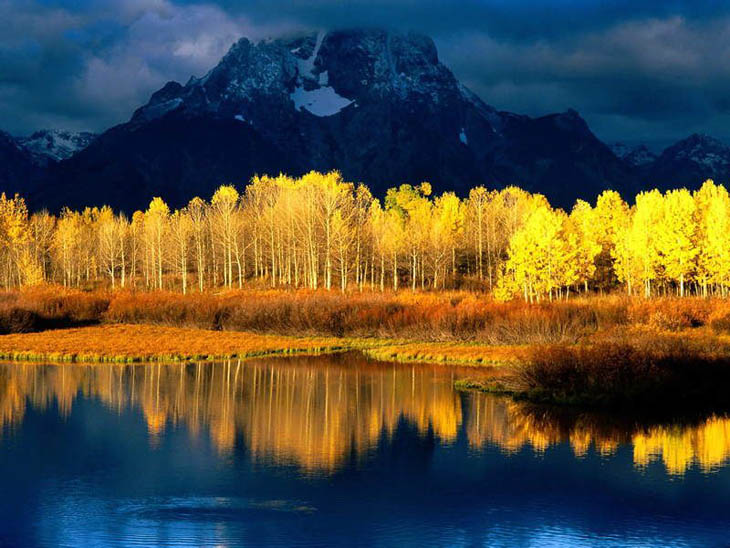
(322, 232)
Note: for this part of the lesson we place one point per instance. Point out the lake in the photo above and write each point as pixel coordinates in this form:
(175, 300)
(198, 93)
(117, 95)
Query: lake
(339, 450)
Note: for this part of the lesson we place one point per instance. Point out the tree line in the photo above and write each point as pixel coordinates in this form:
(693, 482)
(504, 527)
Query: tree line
(319, 231)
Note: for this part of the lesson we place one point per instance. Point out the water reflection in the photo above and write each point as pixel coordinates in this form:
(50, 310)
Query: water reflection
(318, 413)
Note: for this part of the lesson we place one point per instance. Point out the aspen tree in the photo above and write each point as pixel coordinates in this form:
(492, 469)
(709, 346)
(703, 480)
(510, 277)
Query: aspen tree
(476, 207)
(224, 206)
(676, 235)
(196, 211)
(610, 215)
(156, 226)
(181, 228)
(712, 237)
(584, 227)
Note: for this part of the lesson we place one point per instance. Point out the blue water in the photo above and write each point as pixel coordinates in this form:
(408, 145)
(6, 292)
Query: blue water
(336, 451)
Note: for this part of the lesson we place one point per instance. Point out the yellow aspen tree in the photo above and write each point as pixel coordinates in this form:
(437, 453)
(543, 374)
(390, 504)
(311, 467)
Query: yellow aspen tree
(584, 229)
(15, 233)
(331, 194)
(156, 225)
(643, 244)
(536, 251)
(42, 228)
(65, 244)
(197, 213)
(363, 250)
(378, 230)
(224, 206)
(136, 237)
(565, 257)
(476, 207)
(610, 215)
(635, 253)
(414, 208)
(446, 230)
(121, 225)
(676, 237)
(108, 242)
(712, 238)
(181, 229)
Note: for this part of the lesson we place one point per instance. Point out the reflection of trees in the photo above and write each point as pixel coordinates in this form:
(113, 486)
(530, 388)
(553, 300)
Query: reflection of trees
(316, 412)
(514, 425)
(311, 412)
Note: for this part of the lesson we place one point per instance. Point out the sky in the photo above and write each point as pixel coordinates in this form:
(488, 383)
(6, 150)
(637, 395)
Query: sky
(641, 71)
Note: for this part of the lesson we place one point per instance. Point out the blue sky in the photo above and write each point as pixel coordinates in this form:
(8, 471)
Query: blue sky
(644, 71)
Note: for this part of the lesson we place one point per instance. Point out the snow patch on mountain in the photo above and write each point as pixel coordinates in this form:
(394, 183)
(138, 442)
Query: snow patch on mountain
(321, 102)
(462, 137)
(306, 66)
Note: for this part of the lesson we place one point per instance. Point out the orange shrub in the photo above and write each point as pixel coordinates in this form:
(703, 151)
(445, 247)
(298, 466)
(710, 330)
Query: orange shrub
(643, 371)
(672, 313)
(424, 316)
(49, 307)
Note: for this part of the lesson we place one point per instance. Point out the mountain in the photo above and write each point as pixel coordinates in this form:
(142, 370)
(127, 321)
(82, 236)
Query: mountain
(689, 162)
(378, 106)
(52, 145)
(637, 156)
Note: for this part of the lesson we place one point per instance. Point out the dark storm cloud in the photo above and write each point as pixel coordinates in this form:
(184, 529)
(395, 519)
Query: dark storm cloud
(638, 71)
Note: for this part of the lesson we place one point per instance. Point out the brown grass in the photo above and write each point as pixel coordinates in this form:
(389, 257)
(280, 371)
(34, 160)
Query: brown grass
(447, 316)
(450, 353)
(148, 343)
(422, 316)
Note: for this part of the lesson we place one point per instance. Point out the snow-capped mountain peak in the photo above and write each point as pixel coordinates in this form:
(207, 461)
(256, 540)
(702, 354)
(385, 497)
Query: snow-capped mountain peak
(54, 144)
(702, 150)
(318, 74)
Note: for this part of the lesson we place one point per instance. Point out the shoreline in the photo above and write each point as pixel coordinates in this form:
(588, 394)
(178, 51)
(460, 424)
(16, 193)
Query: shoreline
(130, 343)
(639, 368)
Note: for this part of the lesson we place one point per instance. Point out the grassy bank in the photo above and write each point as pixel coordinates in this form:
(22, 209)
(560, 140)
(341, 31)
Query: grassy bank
(134, 343)
(471, 354)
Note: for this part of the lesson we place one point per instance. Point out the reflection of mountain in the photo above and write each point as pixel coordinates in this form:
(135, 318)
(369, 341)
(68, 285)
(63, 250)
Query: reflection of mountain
(317, 413)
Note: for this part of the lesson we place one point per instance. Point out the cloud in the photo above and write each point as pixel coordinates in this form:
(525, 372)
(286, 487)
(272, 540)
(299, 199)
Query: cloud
(91, 69)
(661, 77)
(170, 43)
